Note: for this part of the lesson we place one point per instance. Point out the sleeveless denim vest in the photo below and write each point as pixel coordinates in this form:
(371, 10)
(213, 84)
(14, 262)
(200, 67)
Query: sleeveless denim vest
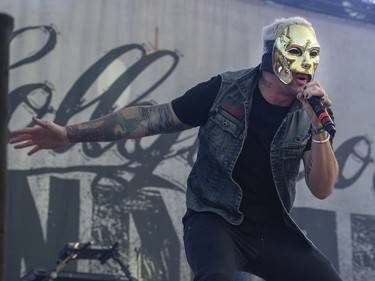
(210, 183)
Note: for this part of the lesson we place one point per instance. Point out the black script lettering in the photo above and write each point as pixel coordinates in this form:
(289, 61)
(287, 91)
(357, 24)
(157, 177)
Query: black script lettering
(355, 149)
(70, 107)
(36, 55)
(24, 95)
(116, 196)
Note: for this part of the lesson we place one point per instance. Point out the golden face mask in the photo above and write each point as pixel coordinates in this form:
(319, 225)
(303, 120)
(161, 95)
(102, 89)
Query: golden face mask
(296, 50)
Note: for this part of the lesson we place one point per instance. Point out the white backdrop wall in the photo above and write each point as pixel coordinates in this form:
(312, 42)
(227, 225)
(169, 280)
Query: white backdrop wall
(76, 60)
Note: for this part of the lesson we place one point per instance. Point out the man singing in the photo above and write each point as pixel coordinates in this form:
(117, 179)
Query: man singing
(255, 127)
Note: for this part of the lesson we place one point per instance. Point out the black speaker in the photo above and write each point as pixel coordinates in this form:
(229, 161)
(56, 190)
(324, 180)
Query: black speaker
(40, 274)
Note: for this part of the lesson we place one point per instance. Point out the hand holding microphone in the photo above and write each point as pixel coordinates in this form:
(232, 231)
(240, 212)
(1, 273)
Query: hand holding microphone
(322, 115)
(319, 110)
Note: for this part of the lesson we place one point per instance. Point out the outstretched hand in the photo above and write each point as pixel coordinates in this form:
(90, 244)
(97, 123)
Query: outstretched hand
(45, 135)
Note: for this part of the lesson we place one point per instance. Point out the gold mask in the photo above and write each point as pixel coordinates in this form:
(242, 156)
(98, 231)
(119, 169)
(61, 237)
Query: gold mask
(296, 50)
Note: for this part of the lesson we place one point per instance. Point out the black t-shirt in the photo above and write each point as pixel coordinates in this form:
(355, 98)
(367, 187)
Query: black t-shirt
(260, 202)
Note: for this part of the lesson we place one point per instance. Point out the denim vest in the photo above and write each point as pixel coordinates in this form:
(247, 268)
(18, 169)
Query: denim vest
(210, 183)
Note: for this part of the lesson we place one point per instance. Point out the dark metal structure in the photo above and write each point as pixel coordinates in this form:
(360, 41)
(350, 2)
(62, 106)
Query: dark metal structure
(6, 28)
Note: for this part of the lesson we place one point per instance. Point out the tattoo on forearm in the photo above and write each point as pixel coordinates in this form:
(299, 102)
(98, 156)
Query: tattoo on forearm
(131, 123)
(308, 166)
(112, 127)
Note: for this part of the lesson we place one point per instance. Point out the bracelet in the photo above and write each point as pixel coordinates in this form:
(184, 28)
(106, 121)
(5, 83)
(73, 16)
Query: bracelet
(317, 131)
(322, 141)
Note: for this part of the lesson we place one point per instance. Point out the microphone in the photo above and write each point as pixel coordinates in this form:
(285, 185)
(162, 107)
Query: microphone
(322, 115)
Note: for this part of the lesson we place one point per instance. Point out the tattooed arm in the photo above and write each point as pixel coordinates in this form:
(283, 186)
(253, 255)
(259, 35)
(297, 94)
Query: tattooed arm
(321, 167)
(127, 123)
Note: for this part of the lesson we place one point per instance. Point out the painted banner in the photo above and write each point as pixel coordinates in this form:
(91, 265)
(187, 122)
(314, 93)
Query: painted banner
(72, 61)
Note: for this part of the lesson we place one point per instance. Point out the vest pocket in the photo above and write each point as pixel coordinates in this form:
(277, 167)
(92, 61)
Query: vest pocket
(220, 131)
(292, 151)
(292, 156)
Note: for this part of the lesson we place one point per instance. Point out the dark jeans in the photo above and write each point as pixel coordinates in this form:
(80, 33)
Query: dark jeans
(215, 250)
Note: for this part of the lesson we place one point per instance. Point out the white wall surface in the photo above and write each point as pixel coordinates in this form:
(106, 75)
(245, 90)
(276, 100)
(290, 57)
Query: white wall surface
(206, 38)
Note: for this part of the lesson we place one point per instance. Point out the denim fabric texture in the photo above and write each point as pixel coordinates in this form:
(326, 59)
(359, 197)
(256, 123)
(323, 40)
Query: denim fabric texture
(210, 183)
